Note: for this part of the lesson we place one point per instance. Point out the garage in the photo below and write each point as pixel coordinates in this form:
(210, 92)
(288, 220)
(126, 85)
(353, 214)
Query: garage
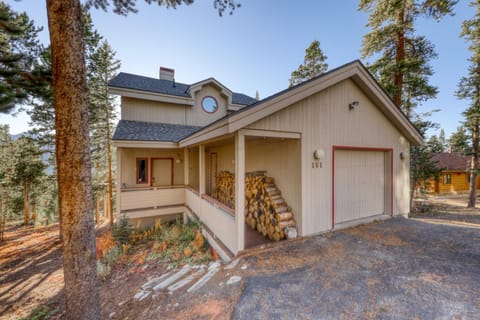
(361, 183)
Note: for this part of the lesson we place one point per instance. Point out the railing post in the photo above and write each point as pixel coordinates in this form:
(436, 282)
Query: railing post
(240, 190)
(186, 167)
(201, 172)
(118, 201)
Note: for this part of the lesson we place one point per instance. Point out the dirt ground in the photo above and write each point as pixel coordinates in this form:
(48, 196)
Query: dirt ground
(421, 268)
(31, 276)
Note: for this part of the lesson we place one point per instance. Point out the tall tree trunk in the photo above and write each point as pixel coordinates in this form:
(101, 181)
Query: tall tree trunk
(399, 58)
(26, 204)
(73, 159)
(109, 165)
(413, 177)
(472, 192)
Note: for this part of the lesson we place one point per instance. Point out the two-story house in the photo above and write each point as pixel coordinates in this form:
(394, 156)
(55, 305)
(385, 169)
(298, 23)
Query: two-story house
(336, 145)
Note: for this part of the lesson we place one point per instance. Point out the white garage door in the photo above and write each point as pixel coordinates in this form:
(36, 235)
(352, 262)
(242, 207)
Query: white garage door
(359, 184)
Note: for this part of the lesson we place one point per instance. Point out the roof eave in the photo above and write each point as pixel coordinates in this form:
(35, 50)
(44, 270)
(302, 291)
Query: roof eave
(268, 106)
(151, 96)
(145, 144)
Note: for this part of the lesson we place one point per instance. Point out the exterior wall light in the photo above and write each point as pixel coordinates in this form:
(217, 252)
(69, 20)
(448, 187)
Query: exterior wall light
(318, 154)
(402, 155)
(352, 105)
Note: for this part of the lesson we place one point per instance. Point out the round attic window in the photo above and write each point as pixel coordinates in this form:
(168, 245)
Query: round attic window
(209, 104)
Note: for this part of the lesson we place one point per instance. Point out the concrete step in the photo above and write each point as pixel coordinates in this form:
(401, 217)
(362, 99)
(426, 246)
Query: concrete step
(171, 279)
(183, 282)
(212, 270)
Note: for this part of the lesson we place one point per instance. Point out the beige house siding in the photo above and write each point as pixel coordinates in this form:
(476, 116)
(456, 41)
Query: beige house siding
(153, 111)
(128, 168)
(193, 168)
(324, 120)
(218, 221)
(225, 157)
(136, 199)
(163, 112)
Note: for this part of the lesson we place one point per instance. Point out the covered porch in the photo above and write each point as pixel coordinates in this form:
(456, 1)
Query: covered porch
(276, 154)
(165, 181)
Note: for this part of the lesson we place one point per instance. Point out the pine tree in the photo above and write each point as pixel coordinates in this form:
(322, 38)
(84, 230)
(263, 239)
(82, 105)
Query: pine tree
(314, 64)
(103, 67)
(73, 162)
(442, 139)
(422, 167)
(402, 67)
(27, 171)
(459, 141)
(434, 144)
(469, 89)
(7, 190)
(19, 50)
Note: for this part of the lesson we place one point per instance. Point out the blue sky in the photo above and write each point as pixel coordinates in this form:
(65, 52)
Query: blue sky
(259, 45)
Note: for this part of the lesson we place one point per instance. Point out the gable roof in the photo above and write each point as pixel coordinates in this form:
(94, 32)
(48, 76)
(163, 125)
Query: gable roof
(354, 70)
(150, 131)
(451, 161)
(135, 82)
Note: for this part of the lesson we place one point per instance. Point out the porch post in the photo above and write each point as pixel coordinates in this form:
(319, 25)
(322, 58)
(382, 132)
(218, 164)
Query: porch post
(240, 189)
(119, 183)
(186, 167)
(201, 172)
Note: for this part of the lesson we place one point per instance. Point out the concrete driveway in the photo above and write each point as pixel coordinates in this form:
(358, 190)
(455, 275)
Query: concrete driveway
(396, 269)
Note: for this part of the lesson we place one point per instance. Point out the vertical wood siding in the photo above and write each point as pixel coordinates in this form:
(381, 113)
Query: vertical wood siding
(221, 223)
(138, 199)
(153, 111)
(324, 120)
(197, 116)
(281, 159)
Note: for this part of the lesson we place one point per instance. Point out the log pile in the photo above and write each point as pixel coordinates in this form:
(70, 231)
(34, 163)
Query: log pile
(224, 190)
(265, 209)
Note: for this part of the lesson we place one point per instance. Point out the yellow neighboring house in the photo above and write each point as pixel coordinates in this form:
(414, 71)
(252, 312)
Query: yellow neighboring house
(454, 175)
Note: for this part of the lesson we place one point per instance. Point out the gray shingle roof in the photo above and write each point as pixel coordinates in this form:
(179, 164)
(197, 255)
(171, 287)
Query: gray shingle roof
(149, 131)
(136, 82)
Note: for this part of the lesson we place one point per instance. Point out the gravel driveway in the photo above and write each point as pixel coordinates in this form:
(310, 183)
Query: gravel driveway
(396, 269)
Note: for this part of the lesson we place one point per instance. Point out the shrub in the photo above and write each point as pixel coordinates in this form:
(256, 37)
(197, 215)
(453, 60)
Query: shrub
(122, 230)
(41, 313)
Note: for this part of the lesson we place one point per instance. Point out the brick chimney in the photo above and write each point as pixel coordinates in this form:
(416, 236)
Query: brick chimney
(167, 74)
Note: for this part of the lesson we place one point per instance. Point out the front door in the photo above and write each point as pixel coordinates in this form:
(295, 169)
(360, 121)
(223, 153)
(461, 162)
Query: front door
(162, 172)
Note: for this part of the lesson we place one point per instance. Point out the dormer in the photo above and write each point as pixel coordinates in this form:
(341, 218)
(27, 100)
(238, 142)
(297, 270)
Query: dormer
(164, 100)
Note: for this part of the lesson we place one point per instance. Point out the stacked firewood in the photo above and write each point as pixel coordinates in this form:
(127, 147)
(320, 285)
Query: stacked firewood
(224, 190)
(265, 209)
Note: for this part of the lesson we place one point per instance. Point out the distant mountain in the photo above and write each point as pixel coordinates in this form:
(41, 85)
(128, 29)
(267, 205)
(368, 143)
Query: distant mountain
(18, 135)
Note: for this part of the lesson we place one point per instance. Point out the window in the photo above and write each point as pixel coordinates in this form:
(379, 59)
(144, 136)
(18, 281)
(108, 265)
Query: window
(468, 177)
(209, 104)
(142, 170)
(447, 178)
